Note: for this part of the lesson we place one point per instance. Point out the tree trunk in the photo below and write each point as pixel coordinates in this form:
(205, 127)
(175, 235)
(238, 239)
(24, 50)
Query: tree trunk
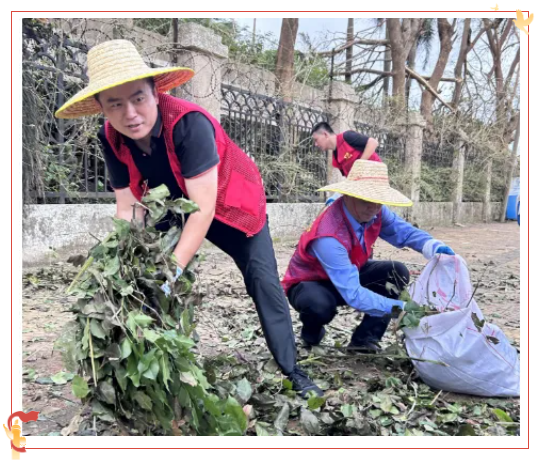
(285, 57)
(461, 64)
(349, 50)
(402, 36)
(386, 68)
(411, 59)
(445, 36)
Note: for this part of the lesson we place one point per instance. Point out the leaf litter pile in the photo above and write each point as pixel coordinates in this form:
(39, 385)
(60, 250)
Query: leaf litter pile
(134, 358)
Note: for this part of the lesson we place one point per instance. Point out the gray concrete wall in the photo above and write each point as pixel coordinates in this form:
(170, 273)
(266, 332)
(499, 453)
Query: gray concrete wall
(58, 231)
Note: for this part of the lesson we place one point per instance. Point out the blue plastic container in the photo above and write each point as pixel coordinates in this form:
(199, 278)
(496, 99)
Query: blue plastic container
(512, 209)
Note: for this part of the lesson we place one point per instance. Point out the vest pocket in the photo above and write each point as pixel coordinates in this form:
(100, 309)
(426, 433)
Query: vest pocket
(243, 194)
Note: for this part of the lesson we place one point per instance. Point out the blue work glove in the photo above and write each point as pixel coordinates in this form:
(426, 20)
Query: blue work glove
(166, 286)
(445, 250)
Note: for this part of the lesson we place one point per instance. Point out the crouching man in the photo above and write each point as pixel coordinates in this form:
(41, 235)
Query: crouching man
(331, 266)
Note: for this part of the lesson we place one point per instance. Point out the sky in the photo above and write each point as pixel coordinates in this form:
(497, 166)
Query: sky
(323, 31)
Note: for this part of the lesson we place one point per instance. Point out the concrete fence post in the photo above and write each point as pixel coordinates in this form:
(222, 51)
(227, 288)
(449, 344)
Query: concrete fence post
(486, 215)
(341, 104)
(458, 169)
(202, 50)
(413, 154)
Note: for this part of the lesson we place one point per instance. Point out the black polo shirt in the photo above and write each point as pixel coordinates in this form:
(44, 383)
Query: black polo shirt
(356, 140)
(195, 147)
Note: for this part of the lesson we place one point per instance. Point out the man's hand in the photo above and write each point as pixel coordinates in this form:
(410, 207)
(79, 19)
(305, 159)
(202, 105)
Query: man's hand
(397, 309)
(445, 250)
(166, 286)
(125, 201)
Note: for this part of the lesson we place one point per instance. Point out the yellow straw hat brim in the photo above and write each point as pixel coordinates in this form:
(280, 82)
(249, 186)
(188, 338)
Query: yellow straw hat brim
(84, 104)
(369, 181)
(375, 194)
(111, 64)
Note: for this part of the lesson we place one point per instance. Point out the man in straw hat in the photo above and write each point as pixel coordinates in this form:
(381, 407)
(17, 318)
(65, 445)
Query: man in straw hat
(151, 138)
(331, 265)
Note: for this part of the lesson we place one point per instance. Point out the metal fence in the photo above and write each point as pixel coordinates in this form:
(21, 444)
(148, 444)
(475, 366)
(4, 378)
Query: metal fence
(65, 159)
(277, 136)
(436, 181)
(62, 157)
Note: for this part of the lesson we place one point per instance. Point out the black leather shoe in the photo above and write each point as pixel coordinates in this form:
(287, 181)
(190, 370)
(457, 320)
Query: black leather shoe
(302, 384)
(364, 348)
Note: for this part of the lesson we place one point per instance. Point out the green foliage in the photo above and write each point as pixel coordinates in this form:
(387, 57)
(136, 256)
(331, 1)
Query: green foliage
(135, 346)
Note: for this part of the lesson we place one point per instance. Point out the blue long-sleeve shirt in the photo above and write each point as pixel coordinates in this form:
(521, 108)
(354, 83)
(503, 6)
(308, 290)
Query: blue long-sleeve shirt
(345, 276)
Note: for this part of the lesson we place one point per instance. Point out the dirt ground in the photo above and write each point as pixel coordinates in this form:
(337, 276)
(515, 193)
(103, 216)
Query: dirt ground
(228, 321)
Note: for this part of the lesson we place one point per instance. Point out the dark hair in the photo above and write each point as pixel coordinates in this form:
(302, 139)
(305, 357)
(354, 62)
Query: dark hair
(149, 80)
(322, 126)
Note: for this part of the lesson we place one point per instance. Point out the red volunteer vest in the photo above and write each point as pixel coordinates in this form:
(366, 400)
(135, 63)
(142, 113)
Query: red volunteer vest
(240, 193)
(333, 222)
(346, 155)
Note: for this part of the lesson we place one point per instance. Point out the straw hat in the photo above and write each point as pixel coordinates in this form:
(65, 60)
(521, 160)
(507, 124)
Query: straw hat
(369, 181)
(114, 63)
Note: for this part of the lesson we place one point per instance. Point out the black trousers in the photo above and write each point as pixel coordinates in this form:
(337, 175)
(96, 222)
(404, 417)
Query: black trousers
(317, 301)
(255, 258)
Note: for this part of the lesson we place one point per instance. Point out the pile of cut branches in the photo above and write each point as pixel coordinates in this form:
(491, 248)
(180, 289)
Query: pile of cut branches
(133, 344)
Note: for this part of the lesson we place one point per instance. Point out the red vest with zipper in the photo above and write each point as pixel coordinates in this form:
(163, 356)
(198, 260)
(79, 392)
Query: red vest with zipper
(346, 155)
(333, 222)
(240, 192)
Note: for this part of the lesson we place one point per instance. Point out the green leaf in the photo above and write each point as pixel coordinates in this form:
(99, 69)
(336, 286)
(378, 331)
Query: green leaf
(143, 400)
(127, 290)
(287, 384)
(348, 410)
(188, 378)
(309, 422)
(121, 377)
(281, 421)
(61, 378)
(153, 370)
(107, 392)
(375, 413)
(80, 387)
(165, 370)
(479, 324)
(392, 382)
(112, 267)
(466, 430)
(142, 320)
(234, 409)
(451, 417)
(410, 320)
(151, 335)
(125, 348)
(244, 390)
(97, 329)
(113, 351)
(502, 416)
(157, 194)
(262, 431)
(315, 402)
(386, 404)
(122, 227)
(169, 241)
(145, 361)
